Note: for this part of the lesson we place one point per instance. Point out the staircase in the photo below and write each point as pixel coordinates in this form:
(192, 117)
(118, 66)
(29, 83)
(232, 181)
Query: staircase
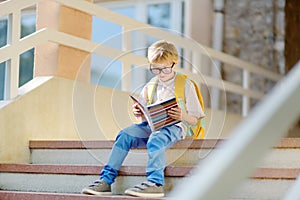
(60, 169)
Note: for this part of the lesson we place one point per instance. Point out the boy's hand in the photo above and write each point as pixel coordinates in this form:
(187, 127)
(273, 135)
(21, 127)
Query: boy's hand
(179, 114)
(176, 113)
(136, 110)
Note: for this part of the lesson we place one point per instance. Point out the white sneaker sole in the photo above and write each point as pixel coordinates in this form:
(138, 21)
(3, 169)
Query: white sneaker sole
(140, 194)
(92, 192)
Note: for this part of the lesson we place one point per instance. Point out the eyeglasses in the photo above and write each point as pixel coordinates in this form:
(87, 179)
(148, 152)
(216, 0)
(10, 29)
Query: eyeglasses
(165, 70)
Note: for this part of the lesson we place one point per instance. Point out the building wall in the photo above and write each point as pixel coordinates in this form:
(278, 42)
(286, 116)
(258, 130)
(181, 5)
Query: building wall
(59, 109)
(254, 31)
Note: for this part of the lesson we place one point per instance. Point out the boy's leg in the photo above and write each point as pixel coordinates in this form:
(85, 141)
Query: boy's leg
(157, 144)
(134, 136)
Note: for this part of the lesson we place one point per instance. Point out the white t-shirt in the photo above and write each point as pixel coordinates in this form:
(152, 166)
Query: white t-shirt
(165, 90)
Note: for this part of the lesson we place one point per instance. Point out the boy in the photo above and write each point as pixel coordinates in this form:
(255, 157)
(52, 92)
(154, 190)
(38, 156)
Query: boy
(163, 58)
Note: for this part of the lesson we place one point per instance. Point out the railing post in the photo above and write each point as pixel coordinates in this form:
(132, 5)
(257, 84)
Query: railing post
(215, 92)
(12, 65)
(126, 66)
(196, 62)
(245, 100)
(217, 45)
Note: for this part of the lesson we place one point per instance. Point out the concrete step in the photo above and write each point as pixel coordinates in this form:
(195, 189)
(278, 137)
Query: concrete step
(269, 183)
(16, 195)
(187, 152)
(73, 178)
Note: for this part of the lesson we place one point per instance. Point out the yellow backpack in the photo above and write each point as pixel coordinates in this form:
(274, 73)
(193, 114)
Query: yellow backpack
(194, 132)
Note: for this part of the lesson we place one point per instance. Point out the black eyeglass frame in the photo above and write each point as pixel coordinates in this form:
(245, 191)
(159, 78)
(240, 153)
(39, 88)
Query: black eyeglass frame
(161, 69)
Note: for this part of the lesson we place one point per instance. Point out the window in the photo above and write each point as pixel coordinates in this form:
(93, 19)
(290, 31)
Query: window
(166, 14)
(28, 23)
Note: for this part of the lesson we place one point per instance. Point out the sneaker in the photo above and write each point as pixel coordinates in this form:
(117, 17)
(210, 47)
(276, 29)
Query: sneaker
(146, 189)
(99, 187)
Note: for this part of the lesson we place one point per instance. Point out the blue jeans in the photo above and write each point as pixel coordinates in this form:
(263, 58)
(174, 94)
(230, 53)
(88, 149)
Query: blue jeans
(137, 136)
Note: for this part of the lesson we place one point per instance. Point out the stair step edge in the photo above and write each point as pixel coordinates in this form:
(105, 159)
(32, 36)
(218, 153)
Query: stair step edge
(107, 144)
(170, 171)
(13, 195)
(184, 144)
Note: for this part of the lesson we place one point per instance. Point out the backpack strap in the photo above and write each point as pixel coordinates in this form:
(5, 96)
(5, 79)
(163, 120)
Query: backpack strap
(197, 131)
(179, 84)
(179, 87)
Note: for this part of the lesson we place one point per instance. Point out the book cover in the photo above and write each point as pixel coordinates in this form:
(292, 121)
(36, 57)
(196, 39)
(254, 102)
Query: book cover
(157, 114)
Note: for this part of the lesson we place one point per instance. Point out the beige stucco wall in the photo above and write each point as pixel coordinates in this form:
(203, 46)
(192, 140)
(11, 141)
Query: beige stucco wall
(59, 109)
(62, 109)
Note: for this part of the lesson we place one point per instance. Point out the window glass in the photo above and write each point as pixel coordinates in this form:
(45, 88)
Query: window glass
(105, 71)
(26, 67)
(3, 32)
(159, 15)
(28, 24)
(3, 39)
(2, 79)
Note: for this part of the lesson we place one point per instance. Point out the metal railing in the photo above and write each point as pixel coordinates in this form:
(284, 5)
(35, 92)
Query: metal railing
(16, 46)
(224, 170)
(294, 192)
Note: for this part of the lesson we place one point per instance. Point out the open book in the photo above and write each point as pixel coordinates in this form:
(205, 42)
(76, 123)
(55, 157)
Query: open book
(157, 114)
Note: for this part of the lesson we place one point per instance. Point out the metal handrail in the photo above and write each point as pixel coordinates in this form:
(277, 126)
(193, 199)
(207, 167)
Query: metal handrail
(293, 193)
(224, 170)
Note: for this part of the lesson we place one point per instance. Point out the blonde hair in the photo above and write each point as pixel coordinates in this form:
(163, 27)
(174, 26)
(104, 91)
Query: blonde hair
(162, 51)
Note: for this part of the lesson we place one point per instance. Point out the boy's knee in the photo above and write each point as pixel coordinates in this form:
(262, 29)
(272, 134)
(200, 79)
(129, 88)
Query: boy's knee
(154, 144)
(124, 140)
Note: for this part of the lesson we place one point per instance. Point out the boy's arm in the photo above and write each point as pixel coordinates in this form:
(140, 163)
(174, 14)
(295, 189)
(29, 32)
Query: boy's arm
(191, 120)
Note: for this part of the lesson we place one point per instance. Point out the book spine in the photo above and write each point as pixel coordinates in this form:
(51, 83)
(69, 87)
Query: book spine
(165, 122)
(162, 108)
